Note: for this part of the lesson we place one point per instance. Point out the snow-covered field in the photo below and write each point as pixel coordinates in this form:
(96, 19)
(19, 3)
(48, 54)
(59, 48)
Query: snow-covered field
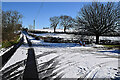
(72, 36)
(69, 36)
(70, 60)
(52, 30)
(108, 38)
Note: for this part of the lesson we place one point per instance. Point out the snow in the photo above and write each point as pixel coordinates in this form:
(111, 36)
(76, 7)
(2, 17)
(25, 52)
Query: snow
(108, 70)
(21, 35)
(108, 38)
(98, 46)
(78, 61)
(72, 36)
(19, 55)
(41, 42)
(52, 30)
(67, 36)
(72, 60)
(4, 50)
(25, 40)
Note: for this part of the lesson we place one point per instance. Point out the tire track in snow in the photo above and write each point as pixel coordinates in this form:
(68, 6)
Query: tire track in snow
(45, 70)
(92, 73)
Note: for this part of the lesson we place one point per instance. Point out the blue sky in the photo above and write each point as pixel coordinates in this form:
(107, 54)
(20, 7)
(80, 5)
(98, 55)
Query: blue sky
(42, 11)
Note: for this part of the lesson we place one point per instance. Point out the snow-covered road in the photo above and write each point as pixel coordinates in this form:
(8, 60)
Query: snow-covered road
(58, 60)
(77, 61)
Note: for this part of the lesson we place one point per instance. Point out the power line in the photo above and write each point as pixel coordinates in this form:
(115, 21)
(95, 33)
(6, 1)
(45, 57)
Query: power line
(37, 14)
(39, 10)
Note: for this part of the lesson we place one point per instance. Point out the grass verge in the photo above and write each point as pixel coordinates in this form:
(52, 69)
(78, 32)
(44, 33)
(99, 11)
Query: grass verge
(112, 46)
(6, 43)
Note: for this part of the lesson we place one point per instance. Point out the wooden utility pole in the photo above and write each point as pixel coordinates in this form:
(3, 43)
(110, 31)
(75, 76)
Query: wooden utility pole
(34, 24)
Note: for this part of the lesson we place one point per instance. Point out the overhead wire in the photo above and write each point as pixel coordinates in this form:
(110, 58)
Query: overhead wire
(37, 14)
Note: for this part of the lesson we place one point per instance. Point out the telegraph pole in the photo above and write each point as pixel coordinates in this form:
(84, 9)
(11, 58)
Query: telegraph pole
(34, 24)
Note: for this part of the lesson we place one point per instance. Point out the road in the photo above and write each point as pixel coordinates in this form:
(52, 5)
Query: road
(58, 61)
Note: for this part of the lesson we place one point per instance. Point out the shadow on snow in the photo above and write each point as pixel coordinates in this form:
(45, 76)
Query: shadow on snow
(113, 51)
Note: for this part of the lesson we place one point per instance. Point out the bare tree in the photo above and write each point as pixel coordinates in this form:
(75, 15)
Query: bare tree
(30, 27)
(99, 18)
(54, 22)
(66, 22)
(118, 22)
(11, 21)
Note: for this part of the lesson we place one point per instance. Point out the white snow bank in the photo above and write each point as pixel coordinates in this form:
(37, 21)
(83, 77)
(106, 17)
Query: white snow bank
(4, 50)
(108, 38)
(98, 45)
(52, 30)
(19, 55)
(66, 36)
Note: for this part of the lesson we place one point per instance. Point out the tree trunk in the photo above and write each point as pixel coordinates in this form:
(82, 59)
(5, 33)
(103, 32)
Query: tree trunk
(97, 39)
(54, 29)
(65, 29)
